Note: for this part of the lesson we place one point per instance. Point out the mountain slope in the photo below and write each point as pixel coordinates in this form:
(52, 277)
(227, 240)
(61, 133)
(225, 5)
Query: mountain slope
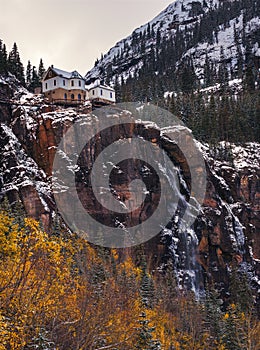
(210, 38)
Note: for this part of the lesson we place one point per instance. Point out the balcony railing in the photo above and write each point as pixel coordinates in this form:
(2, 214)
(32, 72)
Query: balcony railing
(67, 101)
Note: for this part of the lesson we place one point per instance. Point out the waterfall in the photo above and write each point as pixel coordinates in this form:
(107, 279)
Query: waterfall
(181, 238)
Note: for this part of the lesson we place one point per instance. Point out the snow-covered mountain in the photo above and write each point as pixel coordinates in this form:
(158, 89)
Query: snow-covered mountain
(206, 34)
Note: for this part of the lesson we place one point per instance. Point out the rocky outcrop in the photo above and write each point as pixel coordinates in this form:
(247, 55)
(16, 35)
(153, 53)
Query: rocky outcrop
(22, 180)
(229, 229)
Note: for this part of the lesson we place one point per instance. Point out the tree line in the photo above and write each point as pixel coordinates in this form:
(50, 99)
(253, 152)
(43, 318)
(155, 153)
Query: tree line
(215, 117)
(11, 63)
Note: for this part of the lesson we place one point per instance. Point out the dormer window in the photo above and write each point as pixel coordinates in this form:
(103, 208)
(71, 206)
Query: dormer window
(64, 82)
(72, 82)
(79, 83)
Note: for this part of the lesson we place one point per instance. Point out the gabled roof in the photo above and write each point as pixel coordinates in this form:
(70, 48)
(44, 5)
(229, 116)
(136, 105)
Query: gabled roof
(65, 74)
(61, 72)
(76, 74)
(98, 84)
(106, 87)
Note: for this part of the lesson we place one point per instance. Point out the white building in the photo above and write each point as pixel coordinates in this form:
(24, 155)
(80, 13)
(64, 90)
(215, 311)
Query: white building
(61, 86)
(101, 93)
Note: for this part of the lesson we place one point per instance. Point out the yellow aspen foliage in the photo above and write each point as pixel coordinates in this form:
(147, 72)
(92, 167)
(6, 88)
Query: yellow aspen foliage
(226, 316)
(114, 253)
(8, 236)
(130, 269)
(33, 279)
(60, 292)
(164, 324)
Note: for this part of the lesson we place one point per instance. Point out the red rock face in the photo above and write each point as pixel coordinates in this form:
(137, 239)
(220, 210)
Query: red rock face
(227, 228)
(34, 206)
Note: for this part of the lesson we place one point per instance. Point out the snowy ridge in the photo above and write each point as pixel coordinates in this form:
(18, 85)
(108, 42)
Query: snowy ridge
(178, 10)
(223, 43)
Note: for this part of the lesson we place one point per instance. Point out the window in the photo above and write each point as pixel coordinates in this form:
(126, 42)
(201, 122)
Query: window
(111, 95)
(101, 92)
(72, 82)
(72, 96)
(64, 82)
(65, 96)
(46, 86)
(93, 92)
(54, 82)
(79, 97)
(79, 83)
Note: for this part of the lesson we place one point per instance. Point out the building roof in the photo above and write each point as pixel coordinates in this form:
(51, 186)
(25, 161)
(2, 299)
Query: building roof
(67, 75)
(99, 85)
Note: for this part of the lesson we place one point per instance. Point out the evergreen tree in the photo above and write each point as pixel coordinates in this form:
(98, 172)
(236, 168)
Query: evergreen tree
(232, 330)
(158, 38)
(213, 318)
(28, 74)
(249, 79)
(144, 339)
(56, 228)
(148, 31)
(117, 88)
(19, 213)
(147, 290)
(222, 72)
(41, 70)
(187, 77)
(5, 205)
(15, 65)
(3, 58)
(208, 72)
(35, 79)
(241, 291)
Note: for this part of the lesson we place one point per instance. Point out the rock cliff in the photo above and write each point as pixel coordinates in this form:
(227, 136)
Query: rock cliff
(226, 231)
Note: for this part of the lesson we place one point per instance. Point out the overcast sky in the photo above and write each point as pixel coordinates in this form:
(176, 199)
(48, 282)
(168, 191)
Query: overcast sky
(71, 34)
